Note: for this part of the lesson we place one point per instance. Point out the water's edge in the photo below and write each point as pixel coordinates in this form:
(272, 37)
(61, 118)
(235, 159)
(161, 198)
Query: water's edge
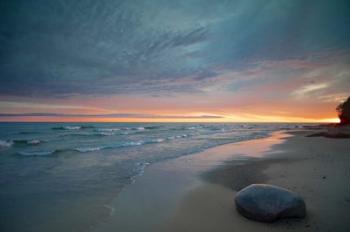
(63, 176)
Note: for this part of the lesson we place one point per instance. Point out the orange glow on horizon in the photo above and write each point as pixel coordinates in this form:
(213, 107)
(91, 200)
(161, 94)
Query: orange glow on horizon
(229, 119)
(217, 108)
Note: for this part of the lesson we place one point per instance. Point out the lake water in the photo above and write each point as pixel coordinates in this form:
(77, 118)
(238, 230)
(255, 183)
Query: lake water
(62, 176)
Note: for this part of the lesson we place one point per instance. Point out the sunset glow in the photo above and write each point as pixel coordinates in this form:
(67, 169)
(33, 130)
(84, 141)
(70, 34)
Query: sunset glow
(174, 64)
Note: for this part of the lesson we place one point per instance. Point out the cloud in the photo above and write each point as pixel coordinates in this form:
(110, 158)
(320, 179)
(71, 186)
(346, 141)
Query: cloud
(307, 89)
(106, 47)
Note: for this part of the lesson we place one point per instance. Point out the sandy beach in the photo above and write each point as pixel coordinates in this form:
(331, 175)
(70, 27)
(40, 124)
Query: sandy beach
(174, 116)
(196, 192)
(316, 168)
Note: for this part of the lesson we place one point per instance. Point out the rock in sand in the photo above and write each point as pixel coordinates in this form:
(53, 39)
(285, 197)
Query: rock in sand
(268, 203)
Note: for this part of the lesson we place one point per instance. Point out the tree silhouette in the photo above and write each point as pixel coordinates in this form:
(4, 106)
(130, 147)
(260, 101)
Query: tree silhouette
(343, 110)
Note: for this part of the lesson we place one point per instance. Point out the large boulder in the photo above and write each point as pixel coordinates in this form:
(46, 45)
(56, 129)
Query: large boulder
(267, 203)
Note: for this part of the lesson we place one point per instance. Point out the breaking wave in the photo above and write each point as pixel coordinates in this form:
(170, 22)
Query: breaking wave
(5, 144)
(36, 153)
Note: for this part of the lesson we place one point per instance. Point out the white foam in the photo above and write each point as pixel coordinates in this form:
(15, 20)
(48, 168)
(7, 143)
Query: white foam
(181, 136)
(108, 129)
(33, 142)
(4, 143)
(132, 143)
(72, 127)
(140, 168)
(158, 140)
(36, 153)
(106, 133)
(88, 149)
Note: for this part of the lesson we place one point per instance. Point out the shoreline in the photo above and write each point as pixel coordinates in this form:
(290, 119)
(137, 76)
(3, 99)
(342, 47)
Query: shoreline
(164, 185)
(316, 168)
(196, 192)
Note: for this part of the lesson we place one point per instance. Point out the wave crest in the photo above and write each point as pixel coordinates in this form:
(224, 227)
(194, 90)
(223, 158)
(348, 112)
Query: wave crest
(67, 128)
(36, 153)
(88, 149)
(5, 144)
(27, 141)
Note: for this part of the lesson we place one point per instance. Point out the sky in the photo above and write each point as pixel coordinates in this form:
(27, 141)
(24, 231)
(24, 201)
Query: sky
(165, 60)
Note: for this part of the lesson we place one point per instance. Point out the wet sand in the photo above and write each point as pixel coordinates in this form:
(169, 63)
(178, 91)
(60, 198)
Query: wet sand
(196, 192)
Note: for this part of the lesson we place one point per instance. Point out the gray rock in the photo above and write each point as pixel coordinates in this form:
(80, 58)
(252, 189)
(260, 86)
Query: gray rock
(267, 203)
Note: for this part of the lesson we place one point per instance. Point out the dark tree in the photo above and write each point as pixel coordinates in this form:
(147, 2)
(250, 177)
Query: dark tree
(343, 110)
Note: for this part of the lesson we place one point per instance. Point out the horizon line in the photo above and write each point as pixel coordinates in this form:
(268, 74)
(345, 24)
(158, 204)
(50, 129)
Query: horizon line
(151, 118)
(307, 122)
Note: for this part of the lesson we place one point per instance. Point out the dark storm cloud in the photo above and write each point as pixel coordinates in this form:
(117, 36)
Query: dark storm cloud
(58, 48)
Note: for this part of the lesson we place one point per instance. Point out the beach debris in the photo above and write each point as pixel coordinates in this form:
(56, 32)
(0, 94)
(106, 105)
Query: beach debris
(268, 203)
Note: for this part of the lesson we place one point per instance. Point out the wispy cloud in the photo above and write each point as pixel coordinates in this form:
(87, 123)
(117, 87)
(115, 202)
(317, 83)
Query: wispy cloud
(307, 89)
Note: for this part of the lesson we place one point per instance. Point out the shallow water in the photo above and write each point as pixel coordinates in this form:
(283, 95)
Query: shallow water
(62, 176)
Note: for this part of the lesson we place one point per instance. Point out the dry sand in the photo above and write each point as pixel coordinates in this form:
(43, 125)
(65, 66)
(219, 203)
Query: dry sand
(196, 192)
(316, 168)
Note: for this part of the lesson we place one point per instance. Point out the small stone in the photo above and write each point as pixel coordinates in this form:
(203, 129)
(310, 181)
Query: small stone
(268, 203)
(324, 177)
